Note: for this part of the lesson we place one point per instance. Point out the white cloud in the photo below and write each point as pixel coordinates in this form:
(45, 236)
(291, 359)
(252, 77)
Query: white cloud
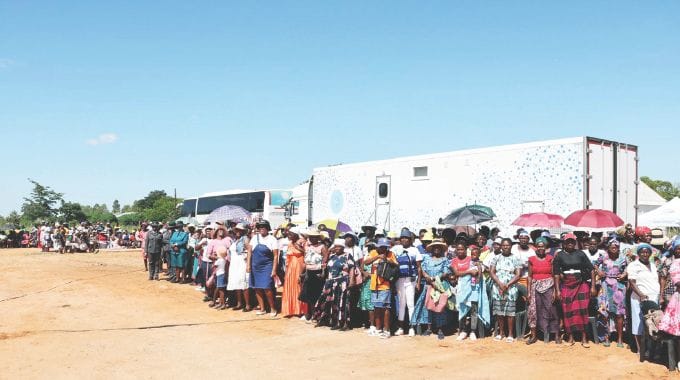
(6, 63)
(106, 138)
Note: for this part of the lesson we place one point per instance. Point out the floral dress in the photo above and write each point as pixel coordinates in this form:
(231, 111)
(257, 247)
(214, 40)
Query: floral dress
(365, 297)
(670, 322)
(433, 267)
(504, 304)
(611, 299)
(333, 306)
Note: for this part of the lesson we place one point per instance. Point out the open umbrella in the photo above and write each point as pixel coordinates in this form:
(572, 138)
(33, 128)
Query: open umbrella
(593, 220)
(334, 227)
(539, 220)
(188, 220)
(468, 215)
(228, 212)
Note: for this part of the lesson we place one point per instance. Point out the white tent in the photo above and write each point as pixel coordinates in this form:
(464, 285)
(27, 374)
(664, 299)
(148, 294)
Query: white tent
(667, 215)
(648, 199)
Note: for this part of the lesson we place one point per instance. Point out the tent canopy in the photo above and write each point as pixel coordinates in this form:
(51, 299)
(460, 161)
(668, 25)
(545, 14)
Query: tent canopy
(667, 215)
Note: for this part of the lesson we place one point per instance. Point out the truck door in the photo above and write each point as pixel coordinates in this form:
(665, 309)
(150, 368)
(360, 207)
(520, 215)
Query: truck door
(383, 195)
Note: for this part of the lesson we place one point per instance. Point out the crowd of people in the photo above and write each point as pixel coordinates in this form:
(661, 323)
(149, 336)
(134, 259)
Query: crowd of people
(577, 286)
(62, 238)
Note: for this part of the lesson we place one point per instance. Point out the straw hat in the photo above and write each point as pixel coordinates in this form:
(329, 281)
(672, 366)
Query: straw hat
(436, 242)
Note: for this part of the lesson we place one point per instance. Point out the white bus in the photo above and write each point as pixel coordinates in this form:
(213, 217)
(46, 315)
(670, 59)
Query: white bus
(262, 204)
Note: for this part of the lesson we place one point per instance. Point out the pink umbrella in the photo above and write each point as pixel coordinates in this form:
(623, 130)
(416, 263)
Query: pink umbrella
(539, 219)
(594, 219)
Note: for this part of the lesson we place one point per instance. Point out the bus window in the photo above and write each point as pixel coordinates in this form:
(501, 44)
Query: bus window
(188, 207)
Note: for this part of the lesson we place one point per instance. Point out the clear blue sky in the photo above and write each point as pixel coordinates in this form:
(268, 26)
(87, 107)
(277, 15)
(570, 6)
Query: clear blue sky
(109, 100)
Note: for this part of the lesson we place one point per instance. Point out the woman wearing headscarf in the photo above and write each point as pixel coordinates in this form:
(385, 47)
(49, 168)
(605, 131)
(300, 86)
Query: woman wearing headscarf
(471, 297)
(505, 273)
(316, 255)
(333, 307)
(365, 303)
(611, 269)
(644, 283)
(571, 270)
(238, 277)
(295, 264)
(542, 312)
(434, 267)
(263, 257)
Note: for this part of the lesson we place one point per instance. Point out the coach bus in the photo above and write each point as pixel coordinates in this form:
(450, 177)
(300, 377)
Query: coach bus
(262, 204)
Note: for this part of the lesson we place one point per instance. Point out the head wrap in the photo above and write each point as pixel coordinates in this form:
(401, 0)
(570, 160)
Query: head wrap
(542, 240)
(613, 242)
(643, 246)
(642, 231)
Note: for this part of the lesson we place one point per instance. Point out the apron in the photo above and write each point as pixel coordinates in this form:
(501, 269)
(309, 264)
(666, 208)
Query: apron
(262, 264)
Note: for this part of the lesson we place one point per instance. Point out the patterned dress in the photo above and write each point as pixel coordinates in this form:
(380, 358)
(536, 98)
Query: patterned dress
(612, 296)
(433, 267)
(504, 304)
(365, 296)
(670, 322)
(333, 306)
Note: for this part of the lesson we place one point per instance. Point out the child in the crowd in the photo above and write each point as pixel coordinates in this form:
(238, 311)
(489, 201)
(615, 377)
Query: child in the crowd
(221, 286)
(380, 288)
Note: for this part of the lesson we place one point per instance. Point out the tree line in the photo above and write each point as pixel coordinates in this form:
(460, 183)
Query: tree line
(45, 205)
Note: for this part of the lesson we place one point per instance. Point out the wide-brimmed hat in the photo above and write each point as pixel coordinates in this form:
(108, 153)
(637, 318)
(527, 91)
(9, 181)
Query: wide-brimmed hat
(339, 243)
(325, 235)
(406, 233)
(368, 227)
(172, 224)
(383, 242)
(435, 243)
(350, 234)
(657, 237)
(313, 232)
(240, 226)
(428, 236)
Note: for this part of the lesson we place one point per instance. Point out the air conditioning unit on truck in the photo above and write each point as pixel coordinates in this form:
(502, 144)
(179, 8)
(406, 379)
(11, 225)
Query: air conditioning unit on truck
(556, 176)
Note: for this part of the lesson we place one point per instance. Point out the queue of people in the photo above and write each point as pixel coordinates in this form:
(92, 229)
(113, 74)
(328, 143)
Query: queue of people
(577, 287)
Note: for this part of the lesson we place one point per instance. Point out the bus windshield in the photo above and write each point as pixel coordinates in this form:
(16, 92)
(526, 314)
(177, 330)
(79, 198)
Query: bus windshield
(252, 202)
(188, 208)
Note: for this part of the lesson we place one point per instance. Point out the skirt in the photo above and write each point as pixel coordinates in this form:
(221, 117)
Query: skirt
(290, 303)
(365, 297)
(333, 307)
(670, 322)
(575, 301)
(178, 259)
(311, 287)
(421, 316)
(543, 311)
(261, 271)
(237, 273)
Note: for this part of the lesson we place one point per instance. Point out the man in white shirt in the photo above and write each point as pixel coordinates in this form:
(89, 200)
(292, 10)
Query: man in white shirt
(644, 283)
(523, 251)
(408, 258)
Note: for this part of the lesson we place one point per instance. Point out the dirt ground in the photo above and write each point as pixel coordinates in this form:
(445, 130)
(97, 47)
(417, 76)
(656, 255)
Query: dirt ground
(97, 316)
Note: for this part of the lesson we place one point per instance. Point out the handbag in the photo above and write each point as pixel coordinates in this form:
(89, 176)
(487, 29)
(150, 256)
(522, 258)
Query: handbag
(387, 271)
(356, 278)
(438, 305)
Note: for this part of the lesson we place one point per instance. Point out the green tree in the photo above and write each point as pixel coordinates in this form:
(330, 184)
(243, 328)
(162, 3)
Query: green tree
(14, 218)
(40, 204)
(132, 219)
(115, 206)
(164, 209)
(72, 212)
(126, 208)
(664, 188)
(148, 201)
(98, 213)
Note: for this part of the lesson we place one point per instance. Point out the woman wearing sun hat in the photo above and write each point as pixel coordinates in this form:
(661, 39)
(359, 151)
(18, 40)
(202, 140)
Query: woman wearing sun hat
(434, 265)
(263, 255)
(316, 255)
(238, 278)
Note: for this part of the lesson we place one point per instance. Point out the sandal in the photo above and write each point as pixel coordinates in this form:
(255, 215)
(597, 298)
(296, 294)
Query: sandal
(211, 304)
(221, 307)
(585, 345)
(247, 309)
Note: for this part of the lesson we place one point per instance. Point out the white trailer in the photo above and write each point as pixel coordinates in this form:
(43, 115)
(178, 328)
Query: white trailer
(556, 176)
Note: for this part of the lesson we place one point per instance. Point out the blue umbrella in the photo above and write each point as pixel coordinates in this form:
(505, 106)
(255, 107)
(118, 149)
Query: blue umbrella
(228, 212)
(468, 215)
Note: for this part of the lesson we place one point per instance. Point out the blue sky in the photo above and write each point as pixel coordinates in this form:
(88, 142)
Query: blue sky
(109, 100)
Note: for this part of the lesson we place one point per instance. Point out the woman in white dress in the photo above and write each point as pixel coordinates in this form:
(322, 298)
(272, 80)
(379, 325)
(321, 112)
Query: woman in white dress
(238, 278)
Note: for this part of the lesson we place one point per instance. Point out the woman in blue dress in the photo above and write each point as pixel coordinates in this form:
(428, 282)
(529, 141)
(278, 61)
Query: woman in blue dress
(263, 256)
(178, 251)
(433, 266)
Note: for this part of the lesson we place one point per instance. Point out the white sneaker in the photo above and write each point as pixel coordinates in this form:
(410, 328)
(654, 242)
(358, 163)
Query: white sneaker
(399, 332)
(473, 336)
(462, 336)
(303, 318)
(411, 332)
(384, 335)
(199, 289)
(373, 332)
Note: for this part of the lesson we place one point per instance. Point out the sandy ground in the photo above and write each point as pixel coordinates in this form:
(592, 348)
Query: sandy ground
(96, 316)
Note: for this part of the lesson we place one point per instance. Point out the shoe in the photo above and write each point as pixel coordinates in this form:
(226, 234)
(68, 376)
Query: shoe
(273, 314)
(261, 312)
(303, 318)
(335, 328)
(372, 331)
(427, 332)
(462, 336)
(384, 335)
(509, 339)
(473, 336)
(411, 332)
(620, 345)
(199, 289)
(157, 279)
(606, 344)
(399, 332)
(440, 335)
(498, 338)
(531, 341)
